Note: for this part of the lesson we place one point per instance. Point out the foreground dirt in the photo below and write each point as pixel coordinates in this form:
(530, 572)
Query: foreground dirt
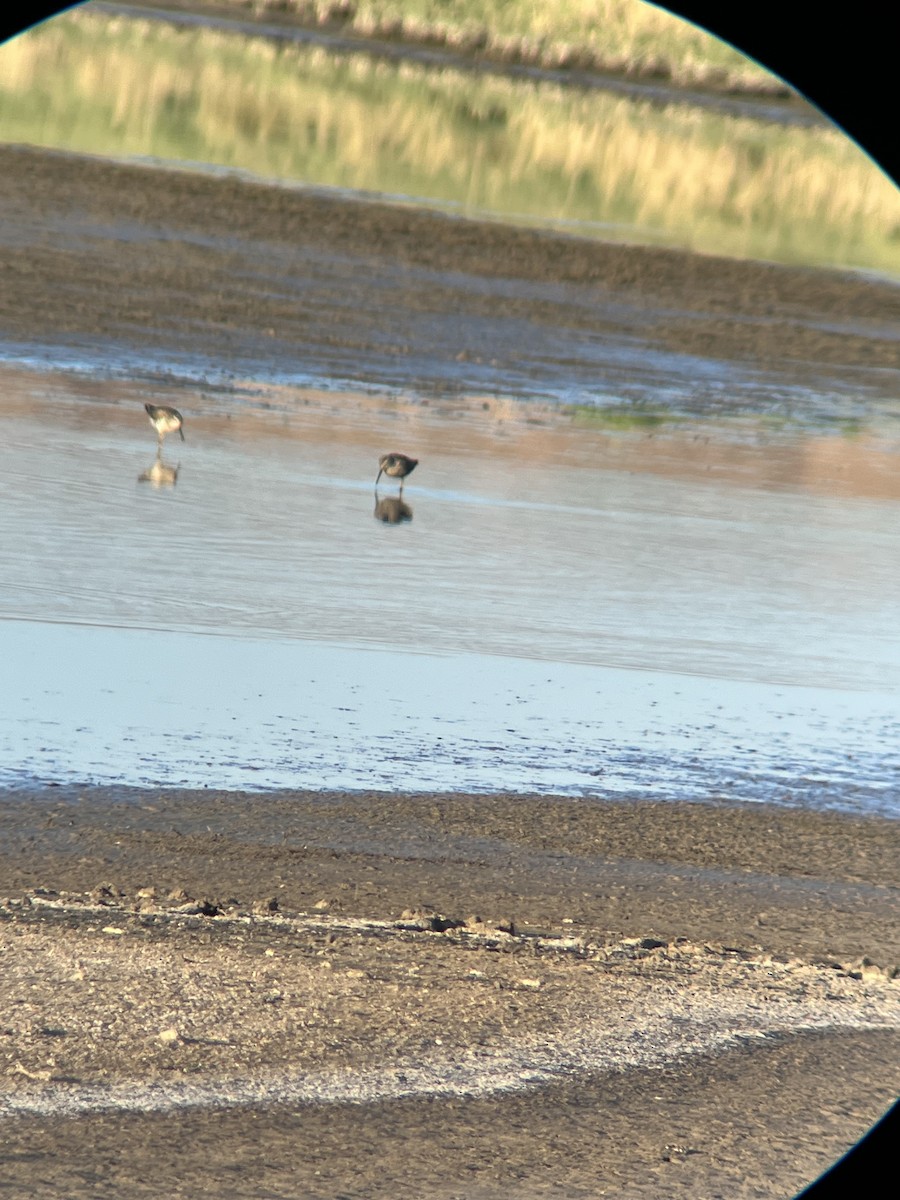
(238, 995)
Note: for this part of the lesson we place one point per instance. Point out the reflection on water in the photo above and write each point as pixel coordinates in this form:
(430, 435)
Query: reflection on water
(675, 614)
(520, 150)
(392, 510)
(160, 474)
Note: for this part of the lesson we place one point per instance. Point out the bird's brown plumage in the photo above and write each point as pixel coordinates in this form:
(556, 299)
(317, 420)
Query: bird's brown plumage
(164, 420)
(397, 466)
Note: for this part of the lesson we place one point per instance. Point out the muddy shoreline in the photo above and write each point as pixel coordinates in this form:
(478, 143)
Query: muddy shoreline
(306, 974)
(703, 998)
(788, 881)
(109, 258)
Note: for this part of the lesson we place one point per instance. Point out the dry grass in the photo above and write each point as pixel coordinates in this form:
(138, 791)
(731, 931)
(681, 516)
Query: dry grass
(620, 36)
(524, 151)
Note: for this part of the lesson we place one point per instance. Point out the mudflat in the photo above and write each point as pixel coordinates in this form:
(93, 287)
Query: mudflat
(320, 994)
(97, 253)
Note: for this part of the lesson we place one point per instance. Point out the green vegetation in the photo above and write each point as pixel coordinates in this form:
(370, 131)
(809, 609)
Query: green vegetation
(596, 163)
(619, 417)
(616, 36)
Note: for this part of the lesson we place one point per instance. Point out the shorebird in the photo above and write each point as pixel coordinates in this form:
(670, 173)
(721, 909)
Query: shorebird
(397, 466)
(164, 420)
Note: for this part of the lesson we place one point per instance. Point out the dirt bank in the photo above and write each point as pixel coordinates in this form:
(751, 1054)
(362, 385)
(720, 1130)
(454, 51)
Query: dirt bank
(246, 995)
(98, 255)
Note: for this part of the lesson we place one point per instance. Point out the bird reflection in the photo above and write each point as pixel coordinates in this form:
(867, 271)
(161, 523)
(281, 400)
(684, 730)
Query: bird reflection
(160, 474)
(392, 510)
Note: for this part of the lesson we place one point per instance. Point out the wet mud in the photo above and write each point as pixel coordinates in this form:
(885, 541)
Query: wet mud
(101, 256)
(325, 994)
(278, 995)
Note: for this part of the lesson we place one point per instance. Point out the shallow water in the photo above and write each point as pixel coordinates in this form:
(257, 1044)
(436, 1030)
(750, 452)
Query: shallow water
(624, 566)
(684, 614)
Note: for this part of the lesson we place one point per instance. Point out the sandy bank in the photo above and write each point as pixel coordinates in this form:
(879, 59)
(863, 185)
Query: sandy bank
(98, 254)
(709, 990)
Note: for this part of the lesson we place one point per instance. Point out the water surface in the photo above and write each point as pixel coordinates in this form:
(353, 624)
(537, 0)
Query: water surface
(621, 568)
(565, 610)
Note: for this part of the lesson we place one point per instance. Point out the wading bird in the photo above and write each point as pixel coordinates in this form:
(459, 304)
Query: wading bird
(164, 420)
(397, 466)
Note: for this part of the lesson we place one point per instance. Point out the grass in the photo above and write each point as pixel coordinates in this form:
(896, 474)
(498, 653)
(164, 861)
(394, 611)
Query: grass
(617, 36)
(618, 417)
(598, 163)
